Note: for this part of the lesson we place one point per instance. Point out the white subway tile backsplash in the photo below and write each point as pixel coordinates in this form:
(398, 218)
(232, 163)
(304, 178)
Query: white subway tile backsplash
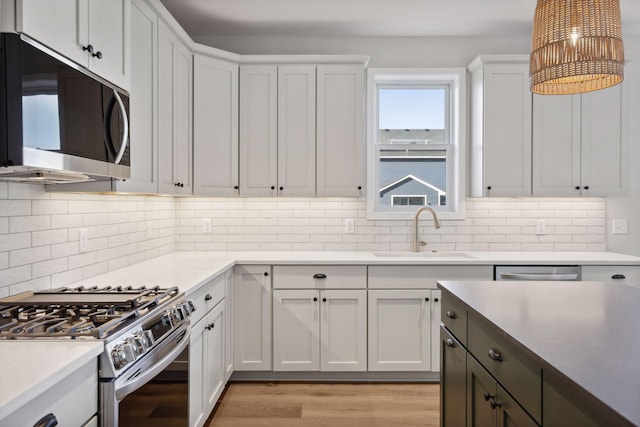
(28, 256)
(39, 231)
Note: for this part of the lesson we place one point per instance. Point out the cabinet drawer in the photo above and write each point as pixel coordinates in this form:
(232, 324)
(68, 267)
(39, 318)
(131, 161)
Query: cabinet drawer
(423, 276)
(206, 297)
(508, 364)
(454, 317)
(73, 400)
(319, 277)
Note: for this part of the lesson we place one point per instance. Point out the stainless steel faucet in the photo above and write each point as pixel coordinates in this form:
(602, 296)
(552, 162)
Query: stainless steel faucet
(436, 224)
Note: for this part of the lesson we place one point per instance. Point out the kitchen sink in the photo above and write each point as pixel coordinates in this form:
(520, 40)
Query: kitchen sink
(431, 254)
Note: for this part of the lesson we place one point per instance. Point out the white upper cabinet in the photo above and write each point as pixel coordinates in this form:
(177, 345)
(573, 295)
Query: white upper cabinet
(143, 104)
(174, 114)
(500, 126)
(215, 126)
(577, 144)
(297, 130)
(94, 33)
(258, 130)
(340, 130)
(277, 130)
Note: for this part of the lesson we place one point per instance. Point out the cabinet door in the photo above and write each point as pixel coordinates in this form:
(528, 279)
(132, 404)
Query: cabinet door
(399, 330)
(296, 330)
(435, 311)
(213, 356)
(509, 413)
(452, 380)
(61, 25)
(197, 376)
(143, 104)
(604, 169)
(507, 130)
(252, 318)
(174, 114)
(167, 46)
(110, 34)
(215, 127)
(556, 145)
(258, 130)
(182, 111)
(343, 331)
(481, 391)
(340, 133)
(297, 130)
(228, 328)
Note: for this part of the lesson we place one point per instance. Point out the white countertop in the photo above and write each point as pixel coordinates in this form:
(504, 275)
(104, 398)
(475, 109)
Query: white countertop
(28, 368)
(189, 270)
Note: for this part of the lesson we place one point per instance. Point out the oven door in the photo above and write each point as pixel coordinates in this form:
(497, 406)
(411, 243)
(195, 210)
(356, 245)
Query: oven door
(154, 391)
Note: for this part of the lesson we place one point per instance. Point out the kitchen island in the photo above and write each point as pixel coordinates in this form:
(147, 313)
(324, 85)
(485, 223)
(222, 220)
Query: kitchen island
(567, 352)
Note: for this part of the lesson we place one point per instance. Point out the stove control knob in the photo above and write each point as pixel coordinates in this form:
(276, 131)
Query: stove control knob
(188, 307)
(148, 337)
(121, 356)
(136, 345)
(191, 305)
(166, 319)
(176, 315)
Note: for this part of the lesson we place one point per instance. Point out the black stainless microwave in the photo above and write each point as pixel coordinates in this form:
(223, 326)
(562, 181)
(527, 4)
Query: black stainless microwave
(58, 122)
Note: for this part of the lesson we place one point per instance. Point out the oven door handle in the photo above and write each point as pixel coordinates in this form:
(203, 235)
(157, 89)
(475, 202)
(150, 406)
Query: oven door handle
(123, 391)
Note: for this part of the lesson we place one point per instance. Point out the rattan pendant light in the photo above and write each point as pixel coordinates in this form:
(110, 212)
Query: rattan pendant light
(576, 46)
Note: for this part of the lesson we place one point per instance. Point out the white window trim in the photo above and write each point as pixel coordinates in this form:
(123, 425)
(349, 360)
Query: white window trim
(457, 78)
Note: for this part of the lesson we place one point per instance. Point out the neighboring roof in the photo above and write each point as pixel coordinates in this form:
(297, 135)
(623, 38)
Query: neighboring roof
(407, 178)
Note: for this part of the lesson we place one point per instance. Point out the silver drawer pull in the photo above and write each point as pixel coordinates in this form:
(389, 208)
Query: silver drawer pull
(495, 355)
(450, 343)
(320, 276)
(451, 314)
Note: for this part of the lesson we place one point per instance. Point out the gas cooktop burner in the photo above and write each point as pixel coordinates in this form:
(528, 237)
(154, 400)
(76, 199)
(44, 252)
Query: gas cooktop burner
(78, 312)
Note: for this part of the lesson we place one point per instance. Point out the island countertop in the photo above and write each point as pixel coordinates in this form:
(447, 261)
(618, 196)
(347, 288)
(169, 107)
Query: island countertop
(584, 333)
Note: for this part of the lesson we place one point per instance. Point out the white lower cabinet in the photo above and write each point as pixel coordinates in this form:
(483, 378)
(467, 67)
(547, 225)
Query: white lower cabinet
(404, 313)
(73, 401)
(206, 365)
(399, 330)
(228, 326)
(208, 347)
(252, 318)
(319, 330)
(617, 274)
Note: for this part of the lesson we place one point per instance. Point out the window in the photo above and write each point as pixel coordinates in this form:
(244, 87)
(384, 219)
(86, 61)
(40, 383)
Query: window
(416, 142)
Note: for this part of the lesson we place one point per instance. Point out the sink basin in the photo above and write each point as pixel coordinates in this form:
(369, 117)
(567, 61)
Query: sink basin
(432, 254)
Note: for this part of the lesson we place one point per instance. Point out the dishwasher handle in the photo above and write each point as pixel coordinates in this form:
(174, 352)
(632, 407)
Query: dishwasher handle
(539, 276)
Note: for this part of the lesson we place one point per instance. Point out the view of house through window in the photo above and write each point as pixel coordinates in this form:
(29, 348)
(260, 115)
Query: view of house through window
(412, 131)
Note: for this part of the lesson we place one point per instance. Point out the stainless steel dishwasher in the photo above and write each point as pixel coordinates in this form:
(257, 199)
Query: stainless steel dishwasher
(537, 272)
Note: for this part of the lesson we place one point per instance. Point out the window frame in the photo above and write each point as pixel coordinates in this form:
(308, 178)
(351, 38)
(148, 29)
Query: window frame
(455, 136)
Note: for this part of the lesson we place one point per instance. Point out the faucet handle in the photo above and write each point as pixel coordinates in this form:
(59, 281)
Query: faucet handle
(422, 243)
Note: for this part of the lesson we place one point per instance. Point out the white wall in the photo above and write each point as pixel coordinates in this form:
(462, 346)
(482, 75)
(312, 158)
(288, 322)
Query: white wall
(39, 246)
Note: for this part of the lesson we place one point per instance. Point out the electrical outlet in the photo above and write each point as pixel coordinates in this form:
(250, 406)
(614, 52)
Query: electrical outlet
(540, 227)
(620, 226)
(83, 234)
(206, 225)
(349, 225)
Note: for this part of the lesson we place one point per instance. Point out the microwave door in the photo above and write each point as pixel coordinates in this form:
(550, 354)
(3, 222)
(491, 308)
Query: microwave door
(116, 127)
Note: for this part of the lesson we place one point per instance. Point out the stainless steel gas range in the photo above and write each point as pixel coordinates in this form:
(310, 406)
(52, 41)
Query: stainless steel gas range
(143, 329)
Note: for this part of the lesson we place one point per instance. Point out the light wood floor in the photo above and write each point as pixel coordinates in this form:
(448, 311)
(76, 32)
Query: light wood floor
(327, 405)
